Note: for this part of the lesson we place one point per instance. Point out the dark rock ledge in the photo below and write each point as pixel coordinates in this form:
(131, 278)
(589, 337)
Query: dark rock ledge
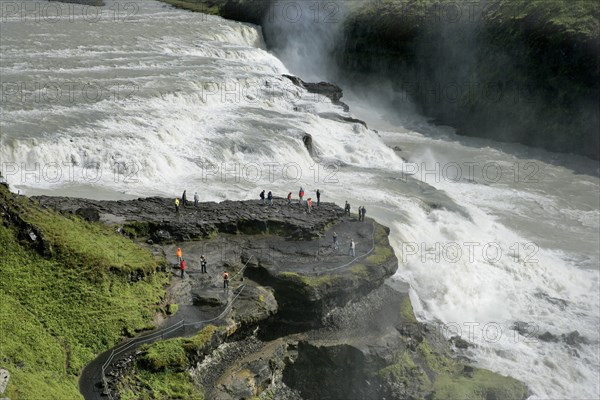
(311, 321)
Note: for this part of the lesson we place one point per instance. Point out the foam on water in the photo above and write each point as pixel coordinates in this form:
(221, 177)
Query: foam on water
(547, 278)
(210, 111)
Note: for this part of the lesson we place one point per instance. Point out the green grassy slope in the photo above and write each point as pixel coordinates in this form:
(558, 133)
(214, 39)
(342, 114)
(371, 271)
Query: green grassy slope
(57, 312)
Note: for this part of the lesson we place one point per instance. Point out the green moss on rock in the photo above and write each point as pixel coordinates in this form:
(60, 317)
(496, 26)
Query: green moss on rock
(165, 355)
(480, 385)
(455, 381)
(406, 372)
(172, 308)
(160, 371)
(146, 385)
(202, 339)
(407, 311)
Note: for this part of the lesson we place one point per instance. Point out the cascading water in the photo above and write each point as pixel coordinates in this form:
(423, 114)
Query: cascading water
(304, 34)
(154, 100)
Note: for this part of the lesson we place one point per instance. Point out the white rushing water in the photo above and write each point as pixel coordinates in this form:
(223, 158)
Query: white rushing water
(138, 99)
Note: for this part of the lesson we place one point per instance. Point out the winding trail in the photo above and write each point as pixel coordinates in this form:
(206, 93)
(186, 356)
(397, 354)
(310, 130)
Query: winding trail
(187, 322)
(92, 381)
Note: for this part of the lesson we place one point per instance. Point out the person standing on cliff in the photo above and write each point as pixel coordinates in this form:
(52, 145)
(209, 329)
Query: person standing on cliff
(347, 208)
(202, 264)
(179, 254)
(351, 251)
(301, 194)
(196, 199)
(184, 198)
(289, 198)
(309, 205)
(318, 197)
(335, 242)
(270, 197)
(262, 197)
(225, 280)
(182, 267)
(363, 212)
(176, 206)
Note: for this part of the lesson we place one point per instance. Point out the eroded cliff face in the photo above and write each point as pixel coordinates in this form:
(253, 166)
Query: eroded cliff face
(522, 72)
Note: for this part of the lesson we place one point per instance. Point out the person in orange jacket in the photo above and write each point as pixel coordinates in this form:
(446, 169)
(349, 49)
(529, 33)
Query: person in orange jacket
(179, 254)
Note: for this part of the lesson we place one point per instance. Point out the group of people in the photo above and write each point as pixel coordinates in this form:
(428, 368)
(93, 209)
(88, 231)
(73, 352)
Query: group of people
(309, 201)
(184, 200)
(269, 197)
(203, 263)
(361, 211)
(351, 250)
(182, 266)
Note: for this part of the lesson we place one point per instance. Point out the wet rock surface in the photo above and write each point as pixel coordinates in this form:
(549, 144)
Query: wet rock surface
(330, 90)
(156, 217)
(303, 317)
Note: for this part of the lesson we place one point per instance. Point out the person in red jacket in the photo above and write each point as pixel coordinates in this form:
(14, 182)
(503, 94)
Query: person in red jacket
(182, 267)
(301, 194)
(225, 280)
(289, 198)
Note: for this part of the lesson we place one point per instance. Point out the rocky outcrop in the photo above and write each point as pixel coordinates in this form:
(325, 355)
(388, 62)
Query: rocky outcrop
(4, 377)
(316, 280)
(306, 319)
(239, 10)
(371, 348)
(12, 215)
(329, 90)
(96, 3)
(156, 218)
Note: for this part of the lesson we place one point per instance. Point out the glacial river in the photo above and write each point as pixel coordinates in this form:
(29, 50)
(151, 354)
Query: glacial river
(138, 99)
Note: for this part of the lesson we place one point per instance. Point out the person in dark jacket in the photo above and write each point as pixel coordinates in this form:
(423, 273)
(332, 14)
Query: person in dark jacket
(262, 197)
(203, 264)
(318, 197)
(184, 198)
(270, 197)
